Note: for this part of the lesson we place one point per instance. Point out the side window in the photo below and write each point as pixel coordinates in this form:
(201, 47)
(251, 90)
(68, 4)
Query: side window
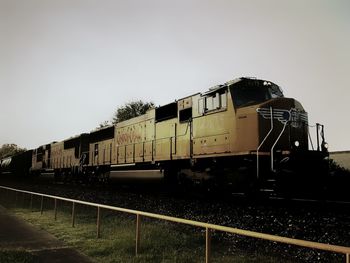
(209, 103)
(201, 106)
(216, 101)
(223, 100)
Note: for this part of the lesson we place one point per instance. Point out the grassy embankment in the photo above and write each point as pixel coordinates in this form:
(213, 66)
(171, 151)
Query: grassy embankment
(160, 241)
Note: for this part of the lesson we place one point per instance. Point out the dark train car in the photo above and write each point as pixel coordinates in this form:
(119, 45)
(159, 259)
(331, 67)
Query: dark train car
(21, 163)
(17, 165)
(5, 166)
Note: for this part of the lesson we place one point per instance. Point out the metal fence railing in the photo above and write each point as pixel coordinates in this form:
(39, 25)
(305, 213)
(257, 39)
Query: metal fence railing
(208, 227)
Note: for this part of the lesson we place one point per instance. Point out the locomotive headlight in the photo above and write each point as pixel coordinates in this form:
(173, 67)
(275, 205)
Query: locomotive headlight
(296, 143)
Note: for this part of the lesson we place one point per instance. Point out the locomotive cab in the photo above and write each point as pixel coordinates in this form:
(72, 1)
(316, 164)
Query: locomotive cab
(247, 92)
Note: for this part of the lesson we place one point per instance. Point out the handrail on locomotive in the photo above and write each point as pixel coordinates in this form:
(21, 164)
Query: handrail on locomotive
(323, 146)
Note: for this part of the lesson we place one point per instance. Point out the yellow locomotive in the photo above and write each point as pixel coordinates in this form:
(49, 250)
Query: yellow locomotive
(240, 134)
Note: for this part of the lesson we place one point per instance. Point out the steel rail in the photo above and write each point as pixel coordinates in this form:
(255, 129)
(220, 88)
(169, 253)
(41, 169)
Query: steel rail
(208, 227)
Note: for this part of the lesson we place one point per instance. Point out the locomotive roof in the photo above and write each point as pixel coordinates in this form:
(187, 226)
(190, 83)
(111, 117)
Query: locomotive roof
(238, 80)
(225, 85)
(252, 79)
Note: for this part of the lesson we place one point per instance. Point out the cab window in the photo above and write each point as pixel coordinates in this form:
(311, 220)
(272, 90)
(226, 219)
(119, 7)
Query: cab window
(254, 92)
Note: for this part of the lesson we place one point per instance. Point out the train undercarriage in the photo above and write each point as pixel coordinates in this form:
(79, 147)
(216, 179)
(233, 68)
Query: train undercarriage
(304, 172)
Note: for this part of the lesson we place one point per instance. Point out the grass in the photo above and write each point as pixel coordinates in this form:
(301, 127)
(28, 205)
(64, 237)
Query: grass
(10, 256)
(161, 241)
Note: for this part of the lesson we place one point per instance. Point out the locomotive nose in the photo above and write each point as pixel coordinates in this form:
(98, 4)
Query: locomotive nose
(282, 103)
(283, 123)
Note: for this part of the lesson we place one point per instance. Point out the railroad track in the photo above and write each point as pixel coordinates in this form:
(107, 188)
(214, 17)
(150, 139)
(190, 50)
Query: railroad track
(311, 200)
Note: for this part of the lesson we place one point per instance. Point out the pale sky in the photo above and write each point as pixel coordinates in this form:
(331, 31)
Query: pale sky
(66, 65)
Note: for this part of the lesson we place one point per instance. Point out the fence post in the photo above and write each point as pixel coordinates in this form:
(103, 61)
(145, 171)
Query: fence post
(55, 209)
(31, 202)
(24, 199)
(98, 223)
(207, 244)
(73, 214)
(138, 231)
(16, 197)
(42, 205)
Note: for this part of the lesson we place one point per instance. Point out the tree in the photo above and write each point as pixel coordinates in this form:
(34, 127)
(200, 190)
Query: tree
(7, 150)
(103, 124)
(130, 110)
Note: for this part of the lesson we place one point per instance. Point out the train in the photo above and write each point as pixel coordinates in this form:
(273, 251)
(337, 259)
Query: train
(241, 135)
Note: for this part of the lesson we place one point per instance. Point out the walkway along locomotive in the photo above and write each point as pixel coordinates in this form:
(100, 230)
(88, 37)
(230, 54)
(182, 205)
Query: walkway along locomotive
(243, 134)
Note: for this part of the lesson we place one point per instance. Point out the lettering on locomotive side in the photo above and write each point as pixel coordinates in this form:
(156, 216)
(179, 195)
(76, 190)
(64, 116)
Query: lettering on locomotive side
(126, 137)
